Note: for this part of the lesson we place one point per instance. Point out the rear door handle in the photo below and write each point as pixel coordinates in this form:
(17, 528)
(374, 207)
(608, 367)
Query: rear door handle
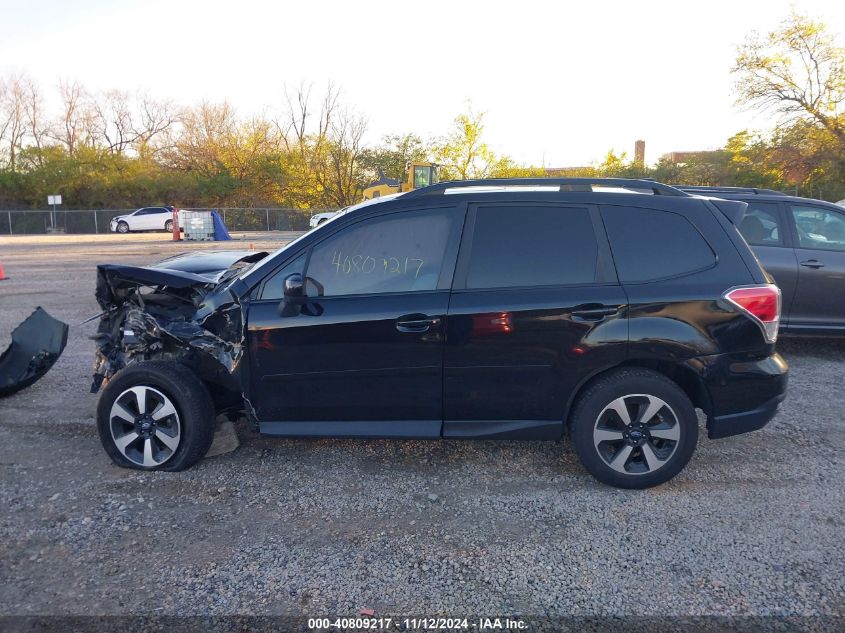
(593, 312)
(416, 323)
(812, 263)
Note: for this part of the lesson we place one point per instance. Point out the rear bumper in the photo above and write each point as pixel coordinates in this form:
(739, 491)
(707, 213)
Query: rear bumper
(745, 421)
(744, 391)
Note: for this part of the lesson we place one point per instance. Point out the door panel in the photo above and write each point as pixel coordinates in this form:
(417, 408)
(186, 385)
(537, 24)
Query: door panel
(344, 359)
(820, 254)
(515, 353)
(145, 220)
(820, 296)
(363, 351)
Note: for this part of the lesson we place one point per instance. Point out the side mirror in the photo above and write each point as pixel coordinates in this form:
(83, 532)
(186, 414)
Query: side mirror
(294, 286)
(294, 290)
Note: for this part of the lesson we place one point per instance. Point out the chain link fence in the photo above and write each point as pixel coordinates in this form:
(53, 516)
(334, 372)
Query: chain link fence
(92, 221)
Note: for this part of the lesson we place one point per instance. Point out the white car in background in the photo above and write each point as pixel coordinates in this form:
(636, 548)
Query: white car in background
(319, 218)
(145, 219)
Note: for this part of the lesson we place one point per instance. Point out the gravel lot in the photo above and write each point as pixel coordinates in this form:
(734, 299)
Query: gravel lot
(753, 526)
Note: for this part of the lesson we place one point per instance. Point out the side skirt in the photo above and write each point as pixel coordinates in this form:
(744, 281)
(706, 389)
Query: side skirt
(503, 429)
(404, 429)
(419, 429)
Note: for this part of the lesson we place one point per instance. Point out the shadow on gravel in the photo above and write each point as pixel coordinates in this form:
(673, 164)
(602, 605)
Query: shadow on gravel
(826, 348)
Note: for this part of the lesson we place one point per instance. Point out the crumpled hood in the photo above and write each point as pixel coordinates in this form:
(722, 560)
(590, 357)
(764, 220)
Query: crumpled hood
(182, 307)
(188, 270)
(209, 264)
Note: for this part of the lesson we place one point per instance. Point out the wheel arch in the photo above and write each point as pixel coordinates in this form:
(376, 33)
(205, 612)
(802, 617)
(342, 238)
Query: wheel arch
(681, 373)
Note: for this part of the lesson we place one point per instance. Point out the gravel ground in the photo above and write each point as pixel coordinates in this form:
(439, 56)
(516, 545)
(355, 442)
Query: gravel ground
(753, 526)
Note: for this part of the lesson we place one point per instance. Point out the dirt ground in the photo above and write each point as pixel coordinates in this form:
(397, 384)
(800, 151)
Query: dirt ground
(753, 526)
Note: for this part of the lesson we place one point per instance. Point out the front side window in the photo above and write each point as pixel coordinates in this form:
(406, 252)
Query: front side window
(760, 226)
(401, 252)
(522, 246)
(819, 228)
(649, 244)
(274, 287)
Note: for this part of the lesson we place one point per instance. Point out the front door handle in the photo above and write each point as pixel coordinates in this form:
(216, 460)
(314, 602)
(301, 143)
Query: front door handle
(416, 323)
(812, 263)
(593, 312)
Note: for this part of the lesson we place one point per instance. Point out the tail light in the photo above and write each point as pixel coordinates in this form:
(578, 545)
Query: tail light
(761, 303)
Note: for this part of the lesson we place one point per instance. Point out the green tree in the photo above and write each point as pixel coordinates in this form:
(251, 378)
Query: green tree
(798, 71)
(463, 154)
(392, 155)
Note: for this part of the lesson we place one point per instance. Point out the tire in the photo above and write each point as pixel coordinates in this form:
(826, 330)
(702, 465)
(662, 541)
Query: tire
(321, 220)
(122, 227)
(645, 452)
(170, 439)
(168, 226)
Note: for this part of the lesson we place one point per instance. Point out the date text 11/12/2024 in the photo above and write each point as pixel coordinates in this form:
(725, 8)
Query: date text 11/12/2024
(417, 624)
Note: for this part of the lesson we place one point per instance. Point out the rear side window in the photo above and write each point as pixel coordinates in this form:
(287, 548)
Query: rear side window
(649, 244)
(761, 225)
(519, 246)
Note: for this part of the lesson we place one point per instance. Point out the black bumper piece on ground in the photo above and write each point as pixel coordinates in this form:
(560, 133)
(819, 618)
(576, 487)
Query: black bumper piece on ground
(36, 345)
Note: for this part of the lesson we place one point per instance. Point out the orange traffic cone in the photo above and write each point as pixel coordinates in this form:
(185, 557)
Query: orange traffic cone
(2, 273)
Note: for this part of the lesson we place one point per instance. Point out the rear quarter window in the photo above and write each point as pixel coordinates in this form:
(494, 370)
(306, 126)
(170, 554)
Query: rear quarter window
(651, 244)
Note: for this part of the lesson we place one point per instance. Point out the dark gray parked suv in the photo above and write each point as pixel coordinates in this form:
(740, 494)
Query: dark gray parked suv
(801, 243)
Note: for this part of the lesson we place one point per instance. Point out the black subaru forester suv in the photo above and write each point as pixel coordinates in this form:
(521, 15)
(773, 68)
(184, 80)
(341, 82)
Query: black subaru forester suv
(605, 309)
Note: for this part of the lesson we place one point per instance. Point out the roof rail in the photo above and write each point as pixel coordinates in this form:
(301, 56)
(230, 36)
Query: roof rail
(718, 189)
(565, 184)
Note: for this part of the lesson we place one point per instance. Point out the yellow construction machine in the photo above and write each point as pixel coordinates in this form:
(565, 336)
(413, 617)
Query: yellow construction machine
(418, 175)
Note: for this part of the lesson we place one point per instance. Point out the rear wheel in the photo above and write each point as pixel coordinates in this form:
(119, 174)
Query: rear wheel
(155, 415)
(122, 227)
(634, 428)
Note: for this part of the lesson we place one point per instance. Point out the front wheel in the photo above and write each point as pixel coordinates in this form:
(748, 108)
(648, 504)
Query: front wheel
(122, 227)
(155, 415)
(634, 428)
(168, 226)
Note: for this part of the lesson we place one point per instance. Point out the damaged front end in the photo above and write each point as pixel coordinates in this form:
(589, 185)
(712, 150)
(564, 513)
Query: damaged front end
(171, 313)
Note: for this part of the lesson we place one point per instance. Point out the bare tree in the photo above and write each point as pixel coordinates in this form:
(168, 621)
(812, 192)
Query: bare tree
(36, 121)
(115, 129)
(205, 133)
(76, 124)
(155, 119)
(13, 116)
(341, 178)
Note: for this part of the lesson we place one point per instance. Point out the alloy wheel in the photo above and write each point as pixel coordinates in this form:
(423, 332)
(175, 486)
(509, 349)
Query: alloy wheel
(145, 426)
(637, 434)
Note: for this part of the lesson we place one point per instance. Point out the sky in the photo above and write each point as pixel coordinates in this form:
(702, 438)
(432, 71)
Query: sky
(561, 82)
